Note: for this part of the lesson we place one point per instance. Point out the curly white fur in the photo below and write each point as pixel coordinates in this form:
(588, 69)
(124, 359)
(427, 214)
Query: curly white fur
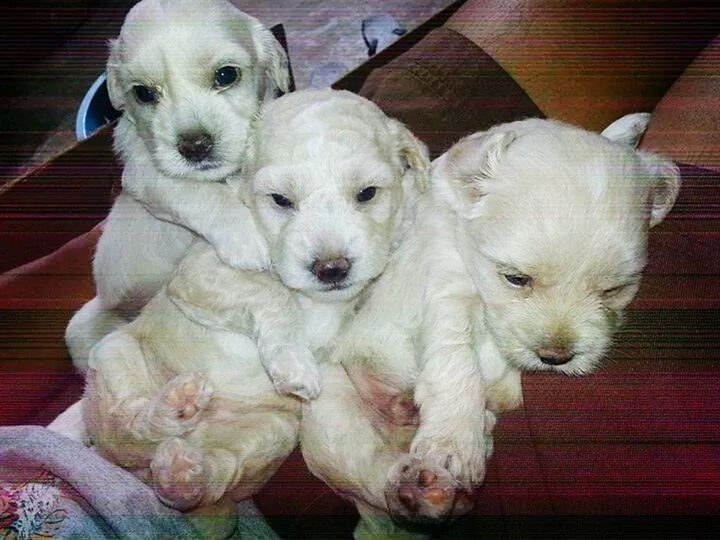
(185, 392)
(174, 48)
(453, 320)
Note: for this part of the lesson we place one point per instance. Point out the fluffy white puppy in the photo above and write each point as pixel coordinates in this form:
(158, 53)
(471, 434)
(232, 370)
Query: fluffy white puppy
(181, 393)
(523, 255)
(189, 75)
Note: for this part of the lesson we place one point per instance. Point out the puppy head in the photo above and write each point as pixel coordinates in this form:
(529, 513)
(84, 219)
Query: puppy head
(190, 74)
(553, 227)
(331, 180)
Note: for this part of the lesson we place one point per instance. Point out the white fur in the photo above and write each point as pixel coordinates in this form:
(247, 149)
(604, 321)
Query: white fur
(182, 393)
(174, 47)
(628, 130)
(567, 207)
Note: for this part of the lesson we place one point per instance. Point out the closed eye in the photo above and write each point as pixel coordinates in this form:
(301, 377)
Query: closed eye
(614, 291)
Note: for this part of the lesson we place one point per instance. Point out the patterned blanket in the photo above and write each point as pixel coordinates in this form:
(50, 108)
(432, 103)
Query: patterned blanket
(53, 487)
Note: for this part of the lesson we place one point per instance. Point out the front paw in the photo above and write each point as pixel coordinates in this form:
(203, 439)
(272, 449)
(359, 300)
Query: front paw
(293, 371)
(463, 456)
(420, 491)
(178, 408)
(247, 252)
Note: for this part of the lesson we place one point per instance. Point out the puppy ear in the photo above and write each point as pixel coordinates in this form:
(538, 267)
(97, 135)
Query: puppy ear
(461, 174)
(628, 130)
(413, 155)
(664, 185)
(114, 86)
(272, 59)
(241, 182)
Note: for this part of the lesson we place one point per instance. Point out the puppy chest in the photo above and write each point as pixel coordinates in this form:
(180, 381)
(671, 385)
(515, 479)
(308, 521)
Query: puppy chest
(322, 322)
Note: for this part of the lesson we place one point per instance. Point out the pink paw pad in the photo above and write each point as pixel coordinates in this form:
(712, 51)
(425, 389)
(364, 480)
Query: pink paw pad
(420, 491)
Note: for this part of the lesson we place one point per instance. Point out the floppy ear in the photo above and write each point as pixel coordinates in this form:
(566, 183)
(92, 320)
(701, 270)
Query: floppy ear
(277, 70)
(240, 183)
(664, 185)
(114, 86)
(461, 174)
(628, 130)
(413, 155)
(272, 59)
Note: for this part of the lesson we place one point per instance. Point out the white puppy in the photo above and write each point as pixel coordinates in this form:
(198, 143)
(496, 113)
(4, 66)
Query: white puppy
(180, 393)
(189, 76)
(523, 255)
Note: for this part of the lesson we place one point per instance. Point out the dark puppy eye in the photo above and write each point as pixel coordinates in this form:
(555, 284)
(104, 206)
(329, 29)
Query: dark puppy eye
(366, 194)
(282, 201)
(145, 94)
(518, 280)
(225, 76)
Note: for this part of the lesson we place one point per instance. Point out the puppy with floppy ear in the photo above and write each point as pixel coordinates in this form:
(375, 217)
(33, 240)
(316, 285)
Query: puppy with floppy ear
(523, 254)
(189, 76)
(184, 394)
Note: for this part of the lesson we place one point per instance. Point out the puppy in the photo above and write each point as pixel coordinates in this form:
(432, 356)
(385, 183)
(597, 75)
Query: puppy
(523, 254)
(180, 395)
(188, 75)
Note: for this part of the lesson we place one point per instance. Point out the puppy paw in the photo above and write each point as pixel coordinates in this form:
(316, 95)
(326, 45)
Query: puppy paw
(178, 474)
(293, 371)
(420, 491)
(506, 394)
(248, 253)
(181, 402)
(459, 448)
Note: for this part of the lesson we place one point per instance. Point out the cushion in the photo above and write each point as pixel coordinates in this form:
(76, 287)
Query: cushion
(685, 124)
(50, 205)
(441, 75)
(590, 62)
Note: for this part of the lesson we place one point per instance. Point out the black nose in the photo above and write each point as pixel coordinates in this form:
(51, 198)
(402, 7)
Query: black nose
(195, 146)
(332, 270)
(554, 356)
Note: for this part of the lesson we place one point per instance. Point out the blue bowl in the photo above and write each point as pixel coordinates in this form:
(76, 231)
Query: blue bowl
(95, 110)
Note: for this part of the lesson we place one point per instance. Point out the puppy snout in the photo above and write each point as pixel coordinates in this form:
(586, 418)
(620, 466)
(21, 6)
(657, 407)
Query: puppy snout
(554, 356)
(195, 146)
(331, 270)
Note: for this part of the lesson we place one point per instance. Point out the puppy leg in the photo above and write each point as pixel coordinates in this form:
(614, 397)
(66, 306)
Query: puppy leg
(232, 452)
(211, 209)
(450, 390)
(70, 424)
(136, 254)
(506, 394)
(127, 407)
(225, 297)
(87, 327)
(341, 447)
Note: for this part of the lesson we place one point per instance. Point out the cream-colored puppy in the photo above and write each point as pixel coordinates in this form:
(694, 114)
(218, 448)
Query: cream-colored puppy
(189, 75)
(523, 255)
(181, 394)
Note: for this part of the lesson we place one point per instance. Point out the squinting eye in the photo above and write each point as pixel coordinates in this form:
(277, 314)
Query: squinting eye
(145, 94)
(366, 194)
(281, 200)
(225, 76)
(607, 293)
(518, 280)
